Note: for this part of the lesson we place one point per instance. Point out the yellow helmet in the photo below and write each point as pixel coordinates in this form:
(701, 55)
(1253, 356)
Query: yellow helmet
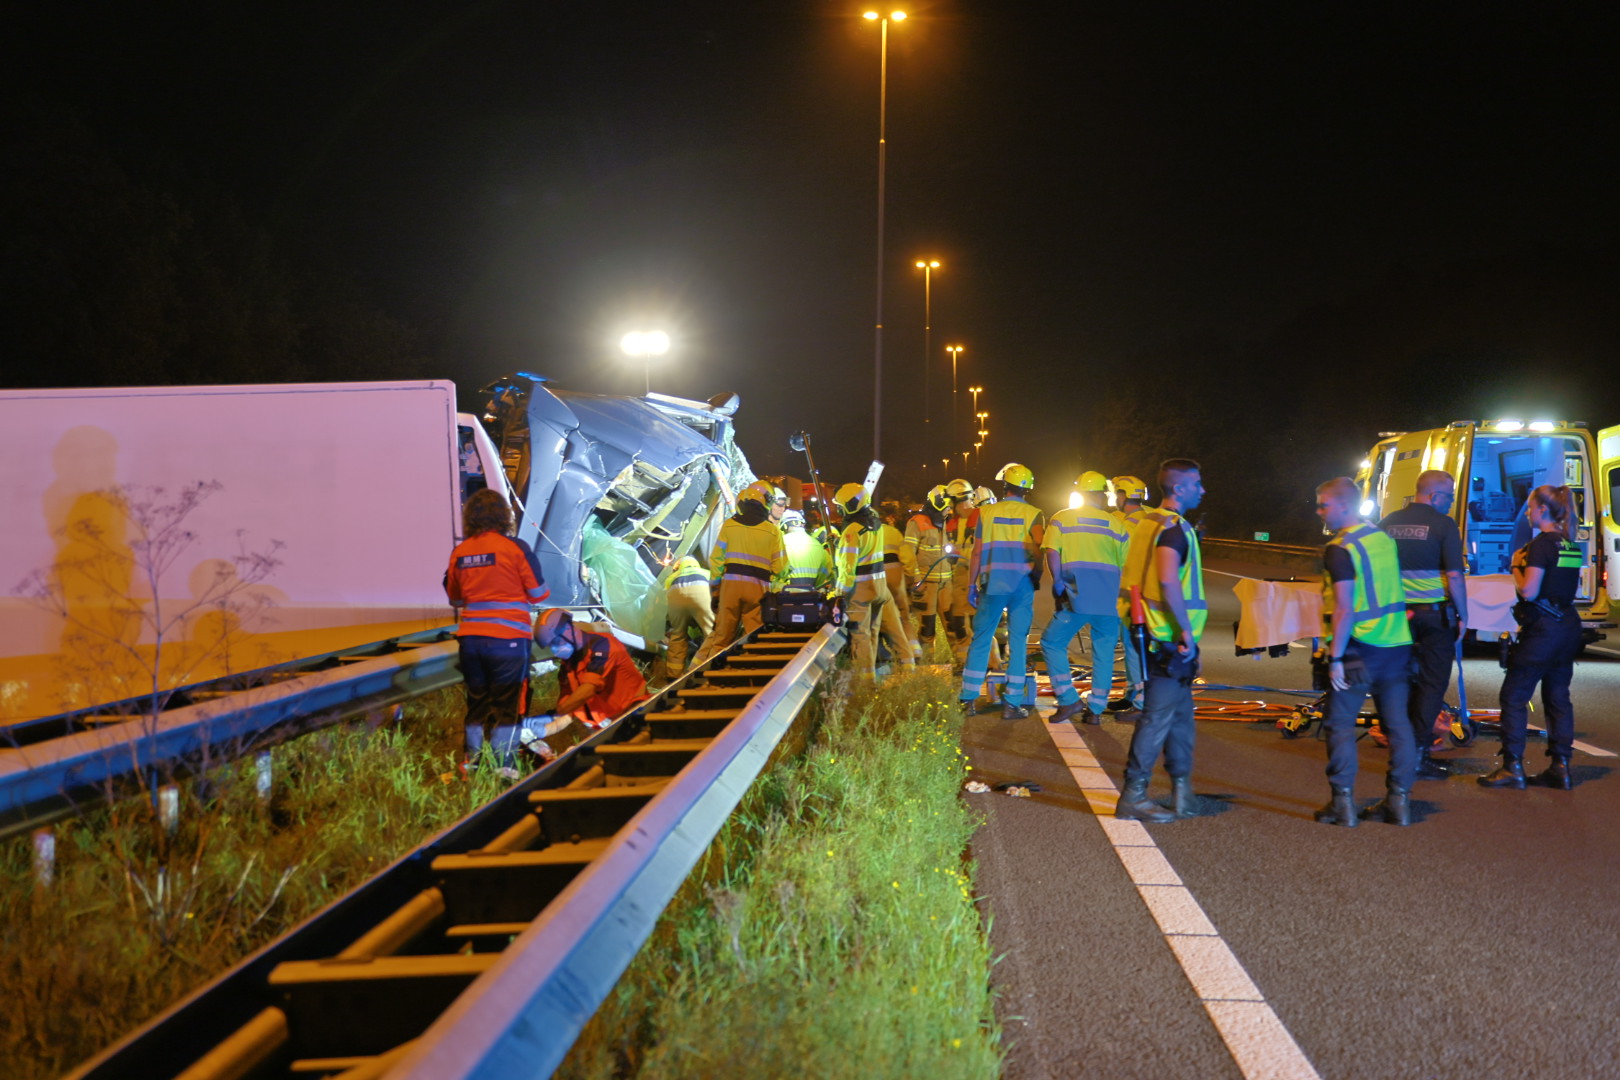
(984, 497)
(959, 489)
(852, 499)
(759, 491)
(1015, 475)
(1091, 480)
(939, 496)
(1129, 487)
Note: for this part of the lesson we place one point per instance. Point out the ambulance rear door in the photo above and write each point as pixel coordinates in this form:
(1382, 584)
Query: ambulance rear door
(1607, 488)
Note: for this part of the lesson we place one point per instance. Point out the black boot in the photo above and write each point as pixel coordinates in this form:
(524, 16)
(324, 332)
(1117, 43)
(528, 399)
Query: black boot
(1395, 808)
(1340, 809)
(1134, 805)
(1511, 774)
(1067, 712)
(1430, 769)
(1557, 774)
(1183, 803)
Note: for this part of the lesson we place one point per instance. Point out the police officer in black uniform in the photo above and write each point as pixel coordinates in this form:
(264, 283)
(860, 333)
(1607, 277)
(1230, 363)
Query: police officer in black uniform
(1432, 567)
(1547, 574)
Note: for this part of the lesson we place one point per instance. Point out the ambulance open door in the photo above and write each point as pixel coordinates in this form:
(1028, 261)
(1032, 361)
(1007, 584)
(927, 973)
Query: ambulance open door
(1608, 493)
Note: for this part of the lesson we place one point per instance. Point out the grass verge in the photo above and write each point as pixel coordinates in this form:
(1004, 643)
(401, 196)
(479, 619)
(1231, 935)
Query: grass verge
(137, 917)
(831, 928)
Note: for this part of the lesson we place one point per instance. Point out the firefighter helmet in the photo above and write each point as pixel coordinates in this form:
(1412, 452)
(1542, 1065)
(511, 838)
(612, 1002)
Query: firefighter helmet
(984, 497)
(1091, 480)
(1129, 487)
(759, 491)
(1015, 475)
(939, 497)
(778, 496)
(851, 499)
(959, 489)
(792, 519)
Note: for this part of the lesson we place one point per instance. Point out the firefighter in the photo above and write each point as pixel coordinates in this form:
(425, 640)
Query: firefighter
(778, 507)
(687, 595)
(1130, 495)
(863, 581)
(747, 557)
(1085, 551)
(1368, 652)
(809, 569)
(1432, 567)
(597, 682)
(494, 582)
(959, 532)
(895, 555)
(1007, 558)
(1547, 574)
(930, 568)
(1163, 562)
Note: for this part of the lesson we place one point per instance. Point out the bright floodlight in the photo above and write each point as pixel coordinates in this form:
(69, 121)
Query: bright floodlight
(1509, 425)
(898, 16)
(1367, 507)
(645, 343)
(1076, 500)
(1541, 425)
(870, 15)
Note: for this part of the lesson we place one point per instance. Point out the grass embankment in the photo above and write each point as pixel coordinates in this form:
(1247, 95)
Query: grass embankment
(831, 928)
(136, 918)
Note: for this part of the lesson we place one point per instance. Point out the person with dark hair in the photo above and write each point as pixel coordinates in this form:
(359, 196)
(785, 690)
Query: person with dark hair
(1547, 574)
(1163, 561)
(1369, 651)
(1432, 567)
(494, 582)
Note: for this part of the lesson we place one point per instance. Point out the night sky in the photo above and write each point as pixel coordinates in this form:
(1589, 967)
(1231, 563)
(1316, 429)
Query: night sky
(1261, 232)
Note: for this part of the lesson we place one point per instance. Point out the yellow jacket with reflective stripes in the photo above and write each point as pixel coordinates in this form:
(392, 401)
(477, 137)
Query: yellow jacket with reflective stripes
(1141, 569)
(687, 571)
(1090, 544)
(748, 552)
(894, 545)
(926, 543)
(861, 556)
(809, 568)
(1380, 596)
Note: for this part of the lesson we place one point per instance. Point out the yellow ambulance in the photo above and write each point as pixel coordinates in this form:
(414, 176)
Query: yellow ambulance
(1497, 463)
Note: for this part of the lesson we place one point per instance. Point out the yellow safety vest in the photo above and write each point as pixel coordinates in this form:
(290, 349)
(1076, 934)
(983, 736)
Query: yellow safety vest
(808, 567)
(861, 558)
(1091, 548)
(1008, 548)
(1141, 569)
(1380, 597)
(687, 571)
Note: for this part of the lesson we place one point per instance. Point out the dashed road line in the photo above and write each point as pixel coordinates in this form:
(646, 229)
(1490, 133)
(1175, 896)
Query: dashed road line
(1257, 1040)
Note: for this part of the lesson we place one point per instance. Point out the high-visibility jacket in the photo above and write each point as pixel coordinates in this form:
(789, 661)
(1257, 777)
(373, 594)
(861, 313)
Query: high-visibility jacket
(960, 533)
(893, 544)
(603, 662)
(687, 571)
(1141, 569)
(1090, 544)
(1009, 543)
(926, 542)
(495, 581)
(1380, 598)
(861, 556)
(748, 552)
(809, 569)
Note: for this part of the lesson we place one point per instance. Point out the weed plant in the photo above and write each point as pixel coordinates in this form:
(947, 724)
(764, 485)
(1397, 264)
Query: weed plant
(137, 917)
(831, 929)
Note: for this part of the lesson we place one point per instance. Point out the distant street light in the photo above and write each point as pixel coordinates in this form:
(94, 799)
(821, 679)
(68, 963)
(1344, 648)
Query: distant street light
(883, 153)
(928, 266)
(645, 344)
(955, 351)
(975, 391)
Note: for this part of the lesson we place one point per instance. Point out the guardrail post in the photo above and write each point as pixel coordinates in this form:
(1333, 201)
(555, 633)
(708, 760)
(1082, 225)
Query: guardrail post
(263, 775)
(45, 857)
(169, 807)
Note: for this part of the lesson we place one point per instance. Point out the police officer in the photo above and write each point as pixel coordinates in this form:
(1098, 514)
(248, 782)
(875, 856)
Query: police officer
(494, 582)
(747, 557)
(930, 571)
(1368, 652)
(687, 596)
(1130, 495)
(869, 606)
(809, 569)
(1432, 568)
(597, 682)
(1547, 574)
(1007, 561)
(1164, 563)
(1085, 551)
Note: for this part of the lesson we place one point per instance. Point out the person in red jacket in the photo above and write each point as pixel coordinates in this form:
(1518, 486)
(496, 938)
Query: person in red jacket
(597, 680)
(494, 583)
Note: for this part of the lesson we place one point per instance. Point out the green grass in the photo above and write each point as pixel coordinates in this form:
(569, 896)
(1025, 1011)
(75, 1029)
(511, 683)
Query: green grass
(137, 918)
(831, 928)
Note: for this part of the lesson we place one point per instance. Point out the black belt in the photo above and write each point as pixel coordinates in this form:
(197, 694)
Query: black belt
(890, 557)
(748, 571)
(869, 568)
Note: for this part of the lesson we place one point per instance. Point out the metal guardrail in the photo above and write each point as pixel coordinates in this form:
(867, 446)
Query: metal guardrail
(1294, 559)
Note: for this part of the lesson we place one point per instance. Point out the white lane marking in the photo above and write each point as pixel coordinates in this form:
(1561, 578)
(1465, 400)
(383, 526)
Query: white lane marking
(1259, 1044)
(1602, 651)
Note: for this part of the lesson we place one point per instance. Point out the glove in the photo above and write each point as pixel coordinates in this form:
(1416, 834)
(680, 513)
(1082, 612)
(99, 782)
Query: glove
(973, 595)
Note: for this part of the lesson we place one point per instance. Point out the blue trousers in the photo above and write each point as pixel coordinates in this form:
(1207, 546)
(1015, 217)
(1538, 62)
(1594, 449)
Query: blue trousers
(1388, 681)
(1020, 608)
(1055, 648)
(1544, 653)
(493, 670)
(1165, 726)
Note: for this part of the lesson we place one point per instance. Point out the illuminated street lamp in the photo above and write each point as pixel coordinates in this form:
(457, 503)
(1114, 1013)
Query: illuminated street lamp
(645, 344)
(883, 152)
(928, 266)
(955, 351)
(975, 391)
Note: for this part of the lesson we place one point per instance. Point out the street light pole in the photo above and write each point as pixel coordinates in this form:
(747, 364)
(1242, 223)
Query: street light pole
(883, 154)
(928, 266)
(955, 351)
(645, 344)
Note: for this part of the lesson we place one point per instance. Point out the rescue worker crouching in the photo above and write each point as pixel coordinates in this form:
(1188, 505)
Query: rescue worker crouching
(809, 567)
(869, 607)
(1130, 498)
(1164, 562)
(929, 566)
(597, 680)
(1085, 552)
(494, 582)
(1369, 651)
(687, 595)
(747, 557)
(1007, 553)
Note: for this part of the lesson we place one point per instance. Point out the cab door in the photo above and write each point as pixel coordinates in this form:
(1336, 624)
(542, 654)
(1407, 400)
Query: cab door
(1607, 489)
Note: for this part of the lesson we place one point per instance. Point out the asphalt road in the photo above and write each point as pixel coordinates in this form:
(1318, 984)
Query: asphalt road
(1483, 940)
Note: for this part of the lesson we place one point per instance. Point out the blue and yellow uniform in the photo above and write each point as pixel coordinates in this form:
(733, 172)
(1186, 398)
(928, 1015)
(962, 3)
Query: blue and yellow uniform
(1007, 559)
(1087, 544)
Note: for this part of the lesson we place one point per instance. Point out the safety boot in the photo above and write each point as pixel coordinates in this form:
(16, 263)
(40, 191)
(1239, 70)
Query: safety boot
(1183, 803)
(1340, 809)
(1067, 712)
(1430, 769)
(1557, 774)
(1510, 775)
(1134, 805)
(1009, 711)
(1395, 808)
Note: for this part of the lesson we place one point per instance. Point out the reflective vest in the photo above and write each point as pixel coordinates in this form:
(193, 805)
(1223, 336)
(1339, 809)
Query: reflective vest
(892, 542)
(1091, 549)
(1422, 538)
(687, 571)
(748, 552)
(1379, 612)
(1008, 543)
(808, 567)
(961, 532)
(1141, 569)
(927, 543)
(861, 558)
(495, 581)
